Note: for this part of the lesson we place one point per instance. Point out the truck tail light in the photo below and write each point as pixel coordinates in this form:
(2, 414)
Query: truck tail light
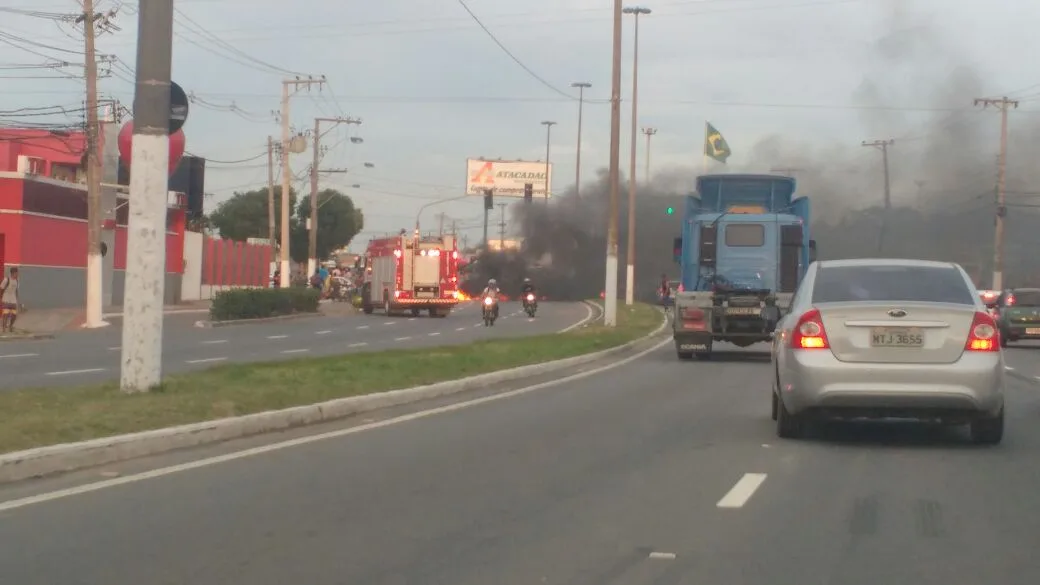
(983, 335)
(692, 314)
(809, 332)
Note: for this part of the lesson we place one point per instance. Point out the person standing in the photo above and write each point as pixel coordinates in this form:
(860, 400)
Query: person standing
(9, 300)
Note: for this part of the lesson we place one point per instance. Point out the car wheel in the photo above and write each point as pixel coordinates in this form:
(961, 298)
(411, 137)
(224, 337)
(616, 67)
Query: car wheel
(776, 404)
(988, 431)
(788, 426)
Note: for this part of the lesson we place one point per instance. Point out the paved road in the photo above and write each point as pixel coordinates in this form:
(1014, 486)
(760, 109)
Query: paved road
(92, 356)
(641, 475)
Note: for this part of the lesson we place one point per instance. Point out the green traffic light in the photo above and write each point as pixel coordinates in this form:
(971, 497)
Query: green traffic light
(671, 210)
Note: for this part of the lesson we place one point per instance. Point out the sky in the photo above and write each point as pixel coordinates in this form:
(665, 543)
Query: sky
(432, 87)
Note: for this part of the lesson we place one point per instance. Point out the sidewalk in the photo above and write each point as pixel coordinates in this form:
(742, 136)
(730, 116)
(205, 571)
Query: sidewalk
(43, 321)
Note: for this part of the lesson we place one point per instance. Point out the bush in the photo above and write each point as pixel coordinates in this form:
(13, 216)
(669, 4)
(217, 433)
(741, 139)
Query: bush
(257, 303)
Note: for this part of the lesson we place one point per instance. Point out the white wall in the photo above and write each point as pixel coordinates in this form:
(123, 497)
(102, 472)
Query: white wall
(191, 282)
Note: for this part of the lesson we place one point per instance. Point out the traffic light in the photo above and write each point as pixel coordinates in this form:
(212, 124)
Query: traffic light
(671, 211)
(489, 199)
(528, 192)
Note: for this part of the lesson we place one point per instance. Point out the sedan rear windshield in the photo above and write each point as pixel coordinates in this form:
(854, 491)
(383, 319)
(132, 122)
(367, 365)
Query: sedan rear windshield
(1027, 298)
(936, 284)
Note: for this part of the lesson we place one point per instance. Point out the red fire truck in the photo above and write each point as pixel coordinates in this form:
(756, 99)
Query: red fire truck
(409, 273)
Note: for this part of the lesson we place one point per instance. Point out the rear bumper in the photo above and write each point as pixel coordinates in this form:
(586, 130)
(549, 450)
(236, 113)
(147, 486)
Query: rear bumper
(425, 302)
(1020, 331)
(817, 381)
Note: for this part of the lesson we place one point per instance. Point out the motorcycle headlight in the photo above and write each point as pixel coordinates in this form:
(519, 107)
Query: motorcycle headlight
(488, 301)
(530, 297)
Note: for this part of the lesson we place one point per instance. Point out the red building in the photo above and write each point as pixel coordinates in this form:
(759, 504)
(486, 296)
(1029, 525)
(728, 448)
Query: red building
(43, 219)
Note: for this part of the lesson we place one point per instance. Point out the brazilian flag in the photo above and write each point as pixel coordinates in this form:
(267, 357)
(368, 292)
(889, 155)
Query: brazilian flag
(715, 146)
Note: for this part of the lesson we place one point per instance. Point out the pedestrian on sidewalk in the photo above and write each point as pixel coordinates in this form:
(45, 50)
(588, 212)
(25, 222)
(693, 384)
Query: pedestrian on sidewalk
(9, 301)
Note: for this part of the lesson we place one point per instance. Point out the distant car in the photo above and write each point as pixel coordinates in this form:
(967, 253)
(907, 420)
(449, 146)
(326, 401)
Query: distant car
(1018, 315)
(883, 339)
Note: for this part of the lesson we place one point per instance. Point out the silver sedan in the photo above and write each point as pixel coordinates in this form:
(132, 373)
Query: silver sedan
(882, 339)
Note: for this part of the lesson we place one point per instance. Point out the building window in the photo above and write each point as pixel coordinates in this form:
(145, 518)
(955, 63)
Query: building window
(62, 172)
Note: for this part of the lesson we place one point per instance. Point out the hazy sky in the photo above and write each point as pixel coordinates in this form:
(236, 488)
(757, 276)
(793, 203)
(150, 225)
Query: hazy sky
(433, 88)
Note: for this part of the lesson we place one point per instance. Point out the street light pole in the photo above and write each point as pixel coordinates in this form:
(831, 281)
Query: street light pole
(610, 288)
(630, 275)
(582, 86)
(548, 135)
(649, 132)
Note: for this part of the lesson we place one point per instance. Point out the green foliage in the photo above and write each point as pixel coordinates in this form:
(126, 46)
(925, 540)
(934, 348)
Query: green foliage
(244, 215)
(338, 222)
(257, 303)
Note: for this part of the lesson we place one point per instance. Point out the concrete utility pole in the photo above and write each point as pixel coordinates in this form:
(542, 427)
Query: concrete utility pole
(648, 132)
(145, 285)
(312, 233)
(1002, 104)
(610, 288)
(883, 146)
(630, 274)
(94, 296)
(295, 84)
(582, 86)
(270, 191)
(548, 135)
(502, 228)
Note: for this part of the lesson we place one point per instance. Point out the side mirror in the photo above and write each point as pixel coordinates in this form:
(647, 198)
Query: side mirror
(812, 251)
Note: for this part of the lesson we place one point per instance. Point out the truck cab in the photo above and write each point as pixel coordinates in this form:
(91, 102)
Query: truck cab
(744, 248)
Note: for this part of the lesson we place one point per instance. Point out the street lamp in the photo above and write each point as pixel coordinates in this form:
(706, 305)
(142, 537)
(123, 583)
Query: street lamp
(582, 86)
(630, 285)
(548, 133)
(610, 288)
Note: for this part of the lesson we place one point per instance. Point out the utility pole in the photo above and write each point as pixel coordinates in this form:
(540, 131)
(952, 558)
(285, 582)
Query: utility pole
(145, 285)
(630, 274)
(502, 228)
(94, 296)
(582, 86)
(312, 232)
(610, 288)
(270, 191)
(440, 224)
(883, 146)
(548, 134)
(295, 84)
(648, 132)
(1002, 104)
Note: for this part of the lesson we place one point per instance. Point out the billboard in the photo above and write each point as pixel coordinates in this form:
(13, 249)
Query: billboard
(507, 177)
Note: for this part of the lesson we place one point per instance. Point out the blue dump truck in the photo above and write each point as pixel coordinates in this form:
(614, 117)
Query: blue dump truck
(744, 248)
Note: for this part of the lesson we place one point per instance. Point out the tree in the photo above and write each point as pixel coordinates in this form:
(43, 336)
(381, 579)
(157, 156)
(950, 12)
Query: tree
(244, 215)
(338, 222)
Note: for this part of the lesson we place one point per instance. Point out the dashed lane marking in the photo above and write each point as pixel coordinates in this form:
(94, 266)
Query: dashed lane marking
(740, 493)
(402, 339)
(214, 341)
(435, 333)
(18, 355)
(322, 332)
(206, 360)
(362, 326)
(296, 351)
(277, 336)
(361, 344)
(72, 372)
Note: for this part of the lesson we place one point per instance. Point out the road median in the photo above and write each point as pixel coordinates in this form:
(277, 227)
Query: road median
(51, 430)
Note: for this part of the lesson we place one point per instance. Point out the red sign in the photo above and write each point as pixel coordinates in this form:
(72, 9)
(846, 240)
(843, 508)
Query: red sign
(126, 135)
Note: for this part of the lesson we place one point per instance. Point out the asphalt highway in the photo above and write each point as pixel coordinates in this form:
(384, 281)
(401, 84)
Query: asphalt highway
(93, 356)
(657, 472)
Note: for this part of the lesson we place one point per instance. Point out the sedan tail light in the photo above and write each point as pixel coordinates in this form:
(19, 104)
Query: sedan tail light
(809, 332)
(983, 335)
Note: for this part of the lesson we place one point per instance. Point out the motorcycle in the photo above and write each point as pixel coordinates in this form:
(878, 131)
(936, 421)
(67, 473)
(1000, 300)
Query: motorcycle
(489, 311)
(530, 304)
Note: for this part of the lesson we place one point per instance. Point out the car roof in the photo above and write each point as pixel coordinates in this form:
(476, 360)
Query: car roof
(884, 262)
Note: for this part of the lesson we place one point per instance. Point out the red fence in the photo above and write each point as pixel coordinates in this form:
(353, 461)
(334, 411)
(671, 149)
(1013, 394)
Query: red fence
(229, 263)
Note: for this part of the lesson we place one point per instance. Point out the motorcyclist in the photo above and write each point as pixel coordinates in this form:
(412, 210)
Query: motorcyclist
(526, 288)
(491, 291)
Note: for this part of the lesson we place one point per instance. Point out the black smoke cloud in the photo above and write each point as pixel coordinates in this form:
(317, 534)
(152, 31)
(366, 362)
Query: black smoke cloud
(942, 177)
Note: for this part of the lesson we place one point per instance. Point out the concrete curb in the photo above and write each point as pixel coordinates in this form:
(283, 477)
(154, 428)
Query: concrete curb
(208, 324)
(26, 337)
(42, 461)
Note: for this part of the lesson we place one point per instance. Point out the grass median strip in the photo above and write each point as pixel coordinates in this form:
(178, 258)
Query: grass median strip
(38, 417)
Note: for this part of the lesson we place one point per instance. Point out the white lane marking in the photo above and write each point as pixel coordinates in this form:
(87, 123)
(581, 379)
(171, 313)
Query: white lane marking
(18, 355)
(296, 351)
(460, 329)
(1009, 368)
(662, 555)
(362, 326)
(362, 344)
(402, 339)
(322, 332)
(388, 323)
(435, 333)
(588, 317)
(411, 318)
(277, 336)
(116, 348)
(214, 341)
(478, 324)
(198, 464)
(742, 491)
(71, 372)
(206, 360)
